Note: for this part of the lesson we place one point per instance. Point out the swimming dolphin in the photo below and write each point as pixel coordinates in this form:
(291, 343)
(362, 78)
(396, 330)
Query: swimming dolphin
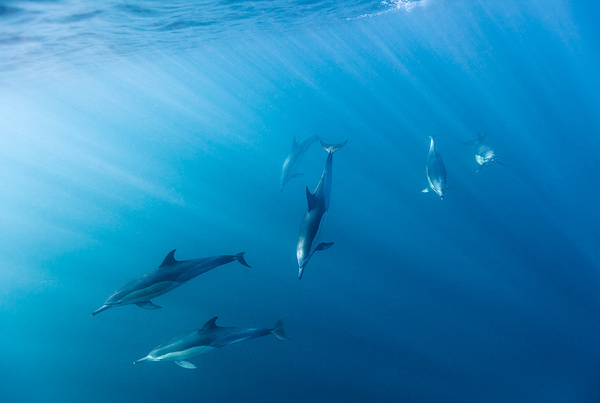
(484, 153)
(314, 219)
(436, 171)
(169, 275)
(210, 337)
(293, 159)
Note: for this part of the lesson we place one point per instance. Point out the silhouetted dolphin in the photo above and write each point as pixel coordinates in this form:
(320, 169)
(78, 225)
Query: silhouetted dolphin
(484, 153)
(210, 337)
(169, 275)
(314, 219)
(288, 171)
(436, 171)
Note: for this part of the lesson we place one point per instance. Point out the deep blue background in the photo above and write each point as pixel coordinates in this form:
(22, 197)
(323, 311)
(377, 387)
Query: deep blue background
(109, 161)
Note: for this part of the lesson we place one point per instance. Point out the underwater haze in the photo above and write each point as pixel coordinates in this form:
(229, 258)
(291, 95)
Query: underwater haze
(132, 128)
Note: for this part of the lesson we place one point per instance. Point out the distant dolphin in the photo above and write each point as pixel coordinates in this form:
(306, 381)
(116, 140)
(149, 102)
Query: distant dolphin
(288, 171)
(484, 153)
(314, 219)
(436, 171)
(210, 337)
(169, 275)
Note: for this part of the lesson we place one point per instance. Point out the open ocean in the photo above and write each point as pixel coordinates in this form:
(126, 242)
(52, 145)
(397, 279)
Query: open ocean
(132, 128)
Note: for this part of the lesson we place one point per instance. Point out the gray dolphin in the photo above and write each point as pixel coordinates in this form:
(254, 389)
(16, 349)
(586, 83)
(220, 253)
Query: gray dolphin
(484, 154)
(210, 337)
(288, 171)
(169, 275)
(314, 219)
(436, 171)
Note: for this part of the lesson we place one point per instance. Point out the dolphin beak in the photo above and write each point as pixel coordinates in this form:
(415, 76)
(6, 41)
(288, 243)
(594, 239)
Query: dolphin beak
(300, 272)
(141, 360)
(102, 308)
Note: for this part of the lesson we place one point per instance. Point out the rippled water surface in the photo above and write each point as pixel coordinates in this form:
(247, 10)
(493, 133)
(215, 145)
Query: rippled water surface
(37, 31)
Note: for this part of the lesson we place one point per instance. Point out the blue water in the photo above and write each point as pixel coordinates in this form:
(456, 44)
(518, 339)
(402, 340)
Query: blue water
(128, 129)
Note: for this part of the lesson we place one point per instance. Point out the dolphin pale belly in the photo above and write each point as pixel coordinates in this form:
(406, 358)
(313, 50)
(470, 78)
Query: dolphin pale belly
(288, 170)
(208, 338)
(313, 222)
(484, 153)
(169, 275)
(436, 171)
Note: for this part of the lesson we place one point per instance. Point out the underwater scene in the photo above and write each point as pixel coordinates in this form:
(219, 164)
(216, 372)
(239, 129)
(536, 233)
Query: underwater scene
(299, 201)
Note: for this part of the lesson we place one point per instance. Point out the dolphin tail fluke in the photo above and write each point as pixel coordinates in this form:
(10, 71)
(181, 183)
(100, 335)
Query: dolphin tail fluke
(331, 148)
(278, 330)
(102, 308)
(240, 258)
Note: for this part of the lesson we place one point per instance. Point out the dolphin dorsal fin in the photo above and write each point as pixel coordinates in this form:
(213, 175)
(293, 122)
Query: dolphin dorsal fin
(170, 259)
(210, 324)
(294, 144)
(311, 199)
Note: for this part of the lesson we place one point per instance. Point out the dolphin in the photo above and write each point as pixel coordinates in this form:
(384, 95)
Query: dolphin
(484, 153)
(314, 219)
(169, 275)
(436, 171)
(210, 337)
(288, 171)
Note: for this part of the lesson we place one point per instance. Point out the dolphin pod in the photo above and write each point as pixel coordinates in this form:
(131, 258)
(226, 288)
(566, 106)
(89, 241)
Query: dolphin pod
(288, 170)
(435, 170)
(172, 273)
(314, 219)
(169, 275)
(208, 338)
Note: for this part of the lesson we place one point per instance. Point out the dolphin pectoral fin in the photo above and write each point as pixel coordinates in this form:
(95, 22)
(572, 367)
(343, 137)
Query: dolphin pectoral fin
(296, 176)
(185, 364)
(148, 305)
(426, 190)
(323, 246)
